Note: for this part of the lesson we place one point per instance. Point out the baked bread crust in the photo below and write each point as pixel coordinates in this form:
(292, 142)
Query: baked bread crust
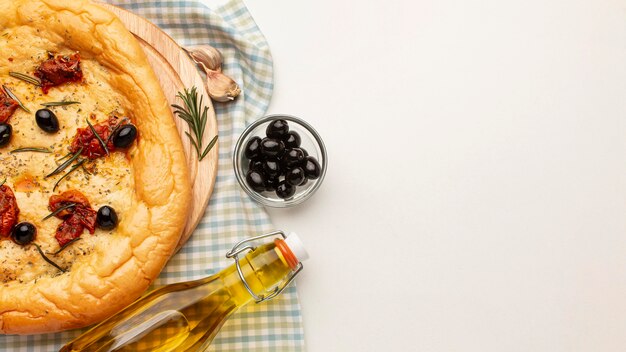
(126, 261)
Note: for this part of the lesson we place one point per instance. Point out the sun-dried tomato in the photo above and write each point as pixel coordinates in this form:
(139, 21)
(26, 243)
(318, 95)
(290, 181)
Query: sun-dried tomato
(87, 217)
(86, 139)
(69, 230)
(8, 211)
(7, 107)
(65, 198)
(59, 69)
(75, 219)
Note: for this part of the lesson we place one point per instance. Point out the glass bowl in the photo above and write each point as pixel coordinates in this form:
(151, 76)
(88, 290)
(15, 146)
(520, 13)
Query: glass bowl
(311, 141)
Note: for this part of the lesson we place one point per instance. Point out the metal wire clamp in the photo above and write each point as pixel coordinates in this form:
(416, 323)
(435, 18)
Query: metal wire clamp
(244, 245)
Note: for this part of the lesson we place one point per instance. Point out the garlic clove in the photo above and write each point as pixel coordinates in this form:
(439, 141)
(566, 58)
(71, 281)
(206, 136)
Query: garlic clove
(221, 87)
(206, 56)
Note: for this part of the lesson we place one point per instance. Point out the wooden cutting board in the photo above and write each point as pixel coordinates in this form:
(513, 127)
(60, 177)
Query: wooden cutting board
(176, 71)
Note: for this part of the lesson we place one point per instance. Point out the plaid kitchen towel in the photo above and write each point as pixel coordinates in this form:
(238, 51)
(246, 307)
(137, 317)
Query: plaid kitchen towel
(231, 216)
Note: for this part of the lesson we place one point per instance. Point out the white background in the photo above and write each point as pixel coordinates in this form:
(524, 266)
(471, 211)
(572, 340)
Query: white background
(475, 198)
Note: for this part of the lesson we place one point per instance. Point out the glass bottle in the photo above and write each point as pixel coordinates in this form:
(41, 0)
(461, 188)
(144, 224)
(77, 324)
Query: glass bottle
(186, 316)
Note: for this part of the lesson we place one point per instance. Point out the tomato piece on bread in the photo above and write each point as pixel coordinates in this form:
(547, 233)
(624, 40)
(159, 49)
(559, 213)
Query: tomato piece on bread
(59, 69)
(7, 107)
(75, 219)
(8, 211)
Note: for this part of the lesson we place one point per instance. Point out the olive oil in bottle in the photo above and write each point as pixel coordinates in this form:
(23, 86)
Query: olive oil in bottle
(186, 316)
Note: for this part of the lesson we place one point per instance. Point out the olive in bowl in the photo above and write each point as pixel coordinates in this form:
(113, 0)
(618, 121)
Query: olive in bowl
(276, 150)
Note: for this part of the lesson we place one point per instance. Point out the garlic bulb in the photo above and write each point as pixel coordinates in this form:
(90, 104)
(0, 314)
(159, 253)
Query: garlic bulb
(220, 87)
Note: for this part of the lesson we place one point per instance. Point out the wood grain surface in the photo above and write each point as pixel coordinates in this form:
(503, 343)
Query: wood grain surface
(176, 71)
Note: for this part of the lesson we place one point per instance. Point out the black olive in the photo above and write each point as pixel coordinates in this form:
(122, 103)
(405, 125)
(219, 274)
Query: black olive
(24, 233)
(106, 218)
(47, 120)
(271, 183)
(256, 180)
(255, 165)
(312, 168)
(272, 147)
(277, 129)
(292, 139)
(253, 148)
(304, 182)
(271, 168)
(5, 134)
(285, 190)
(295, 176)
(124, 136)
(293, 157)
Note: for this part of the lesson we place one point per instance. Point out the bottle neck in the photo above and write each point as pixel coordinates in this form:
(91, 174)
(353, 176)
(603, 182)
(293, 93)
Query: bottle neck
(264, 269)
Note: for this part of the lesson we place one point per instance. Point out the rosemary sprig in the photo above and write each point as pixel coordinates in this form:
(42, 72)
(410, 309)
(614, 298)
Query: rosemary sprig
(66, 245)
(65, 157)
(54, 213)
(30, 149)
(60, 103)
(3, 182)
(26, 78)
(210, 146)
(74, 167)
(104, 146)
(48, 259)
(67, 163)
(196, 116)
(14, 97)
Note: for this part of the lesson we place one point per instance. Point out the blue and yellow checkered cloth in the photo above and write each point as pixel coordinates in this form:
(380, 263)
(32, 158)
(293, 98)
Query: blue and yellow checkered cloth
(231, 216)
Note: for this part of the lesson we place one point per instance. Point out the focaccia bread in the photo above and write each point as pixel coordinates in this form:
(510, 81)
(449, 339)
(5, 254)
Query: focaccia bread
(85, 59)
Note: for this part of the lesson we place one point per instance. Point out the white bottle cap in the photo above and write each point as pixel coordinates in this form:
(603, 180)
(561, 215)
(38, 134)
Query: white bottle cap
(297, 248)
